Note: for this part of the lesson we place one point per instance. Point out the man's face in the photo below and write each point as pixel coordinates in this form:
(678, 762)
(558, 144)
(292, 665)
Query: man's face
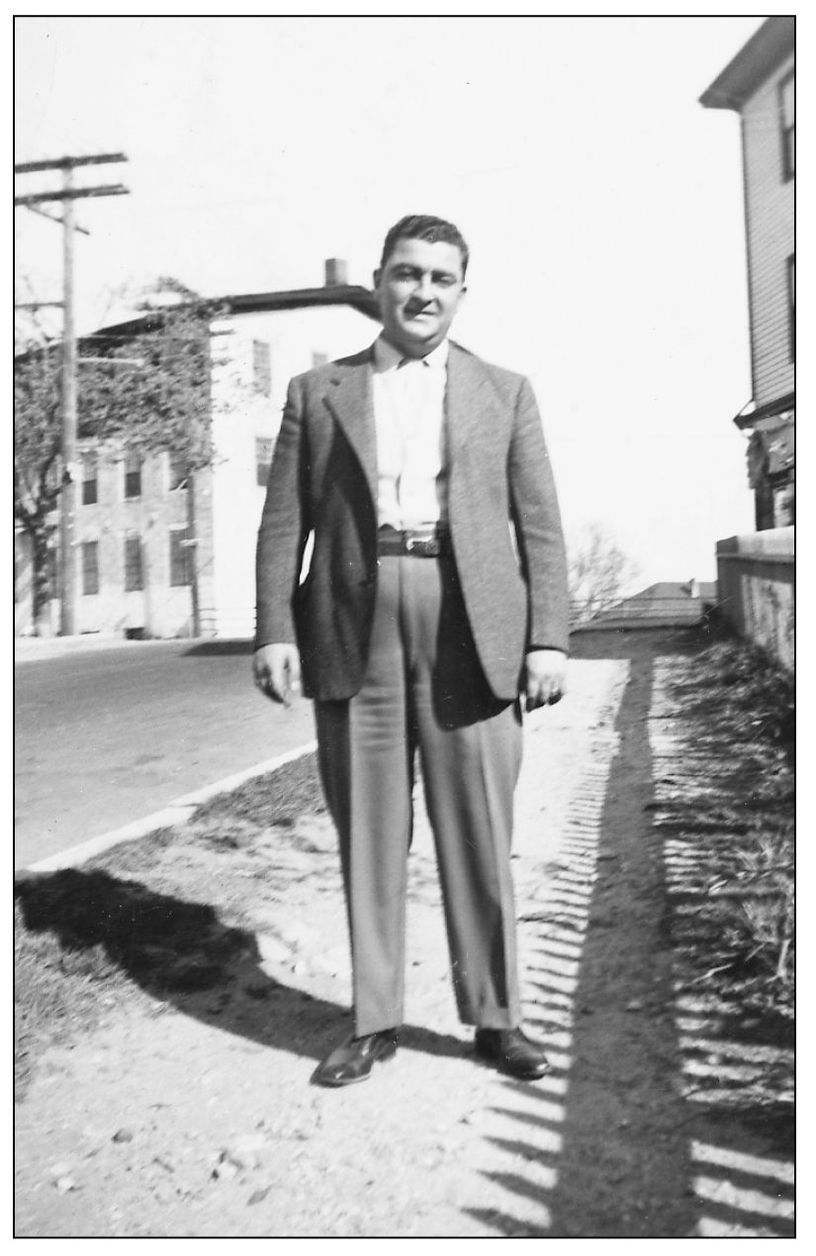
(420, 288)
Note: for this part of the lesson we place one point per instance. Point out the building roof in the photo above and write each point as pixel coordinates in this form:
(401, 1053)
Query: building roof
(752, 414)
(755, 61)
(668, 604)
(358, 297)
(354, 295)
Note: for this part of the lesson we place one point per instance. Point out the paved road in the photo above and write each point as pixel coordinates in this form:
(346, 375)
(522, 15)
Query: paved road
(106, 736)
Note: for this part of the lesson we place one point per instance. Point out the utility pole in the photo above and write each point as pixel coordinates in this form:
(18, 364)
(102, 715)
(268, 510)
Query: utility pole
(68, 497)
(68, 194)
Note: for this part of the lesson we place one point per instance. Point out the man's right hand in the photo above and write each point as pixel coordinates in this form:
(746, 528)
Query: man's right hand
(276, 671)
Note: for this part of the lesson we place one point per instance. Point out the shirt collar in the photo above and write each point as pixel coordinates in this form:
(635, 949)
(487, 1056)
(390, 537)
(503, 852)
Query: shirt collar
(387, 358)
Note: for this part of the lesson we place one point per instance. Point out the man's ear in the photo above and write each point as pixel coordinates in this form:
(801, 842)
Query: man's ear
(377, 277)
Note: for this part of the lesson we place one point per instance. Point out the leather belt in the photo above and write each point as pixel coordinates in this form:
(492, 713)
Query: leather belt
(392, 543)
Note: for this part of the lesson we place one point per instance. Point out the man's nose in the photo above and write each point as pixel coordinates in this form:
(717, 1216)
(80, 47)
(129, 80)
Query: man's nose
(424, 287)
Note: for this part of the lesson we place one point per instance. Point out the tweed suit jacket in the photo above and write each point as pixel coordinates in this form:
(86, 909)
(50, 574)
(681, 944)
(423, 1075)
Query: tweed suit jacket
(502, 512)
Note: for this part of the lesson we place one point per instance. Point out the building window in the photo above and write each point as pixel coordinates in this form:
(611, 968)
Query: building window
(791, 264)
(787, 123)
(178, 477)
(264, 446)
(133, 476)
(134, 577)
(261, 368)
(90, 568)
(180, 557)
(89, 481)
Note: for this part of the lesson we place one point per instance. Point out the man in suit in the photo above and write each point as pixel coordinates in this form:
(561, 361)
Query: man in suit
(435, 597)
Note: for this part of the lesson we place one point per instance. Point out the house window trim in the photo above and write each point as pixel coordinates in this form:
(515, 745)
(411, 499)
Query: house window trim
(131, 539)
(787, 133)
(89, 569)
(186, 552)
(177, 483)
(135, 461)
(90, 482)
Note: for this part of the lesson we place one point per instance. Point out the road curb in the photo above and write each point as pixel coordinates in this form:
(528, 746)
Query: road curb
(176, 812)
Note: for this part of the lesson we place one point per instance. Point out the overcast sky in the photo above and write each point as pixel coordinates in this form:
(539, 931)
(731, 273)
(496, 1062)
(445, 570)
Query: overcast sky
(602, 204)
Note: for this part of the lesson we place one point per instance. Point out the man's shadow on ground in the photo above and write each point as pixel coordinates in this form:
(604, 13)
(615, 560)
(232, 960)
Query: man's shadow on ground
(182, 954)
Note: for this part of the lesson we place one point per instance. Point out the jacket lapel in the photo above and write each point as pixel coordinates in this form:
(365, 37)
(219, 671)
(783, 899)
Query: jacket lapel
(472, 407)
(349, 398)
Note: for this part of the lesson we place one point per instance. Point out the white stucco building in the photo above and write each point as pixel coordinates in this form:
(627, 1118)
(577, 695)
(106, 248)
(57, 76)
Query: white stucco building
(157, 556)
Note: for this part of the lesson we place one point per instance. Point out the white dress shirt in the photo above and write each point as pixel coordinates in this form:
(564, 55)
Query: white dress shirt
(409, 408)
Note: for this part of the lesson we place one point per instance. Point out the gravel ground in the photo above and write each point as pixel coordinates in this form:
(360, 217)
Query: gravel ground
(188, 1110)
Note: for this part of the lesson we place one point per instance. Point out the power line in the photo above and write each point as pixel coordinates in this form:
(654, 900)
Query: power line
(63, 163)
(71, 194)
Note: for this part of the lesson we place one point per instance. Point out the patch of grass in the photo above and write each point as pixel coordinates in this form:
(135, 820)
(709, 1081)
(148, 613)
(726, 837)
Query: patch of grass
(86, 939)
(747, 915)
(746, 691)
(59, 991)
(276, 799)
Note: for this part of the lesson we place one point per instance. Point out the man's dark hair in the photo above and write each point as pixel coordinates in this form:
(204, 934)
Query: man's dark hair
(425, 227)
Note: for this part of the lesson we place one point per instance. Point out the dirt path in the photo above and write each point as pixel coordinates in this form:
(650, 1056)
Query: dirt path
(192, 1114)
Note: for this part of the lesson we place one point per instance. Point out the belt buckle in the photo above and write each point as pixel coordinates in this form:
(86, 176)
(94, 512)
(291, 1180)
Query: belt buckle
(423, 547)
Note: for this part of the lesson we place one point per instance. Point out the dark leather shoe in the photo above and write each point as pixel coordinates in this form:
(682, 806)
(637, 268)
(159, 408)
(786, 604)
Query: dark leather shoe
(354, 1059)
(512, 1052)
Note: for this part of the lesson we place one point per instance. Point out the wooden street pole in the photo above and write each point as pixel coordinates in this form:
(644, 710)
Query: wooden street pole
(70, 474)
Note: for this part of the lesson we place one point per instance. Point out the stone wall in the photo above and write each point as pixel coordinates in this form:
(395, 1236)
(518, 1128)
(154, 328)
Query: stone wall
(755, 575)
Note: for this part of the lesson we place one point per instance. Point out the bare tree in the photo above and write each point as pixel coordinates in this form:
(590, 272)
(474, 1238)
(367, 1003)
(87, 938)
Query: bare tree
(598, 573)
(37, 463)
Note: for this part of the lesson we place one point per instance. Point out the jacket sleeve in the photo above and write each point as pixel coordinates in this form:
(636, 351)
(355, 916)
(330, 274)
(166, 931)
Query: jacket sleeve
(537, 521)
(285, 526)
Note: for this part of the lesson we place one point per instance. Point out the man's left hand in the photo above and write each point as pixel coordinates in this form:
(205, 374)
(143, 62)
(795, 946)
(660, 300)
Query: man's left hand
(545, 677)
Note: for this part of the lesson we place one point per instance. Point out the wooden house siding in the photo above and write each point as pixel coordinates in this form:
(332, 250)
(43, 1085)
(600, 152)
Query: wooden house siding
(770, 237)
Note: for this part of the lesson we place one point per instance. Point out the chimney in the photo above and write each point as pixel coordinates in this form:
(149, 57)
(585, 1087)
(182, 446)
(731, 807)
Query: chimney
(694, 588)
(336, 272)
